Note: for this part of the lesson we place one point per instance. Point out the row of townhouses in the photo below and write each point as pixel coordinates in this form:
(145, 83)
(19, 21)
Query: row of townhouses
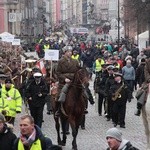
(33, 17)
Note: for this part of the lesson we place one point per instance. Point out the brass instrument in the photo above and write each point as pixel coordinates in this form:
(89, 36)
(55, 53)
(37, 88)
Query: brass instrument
(117, 93)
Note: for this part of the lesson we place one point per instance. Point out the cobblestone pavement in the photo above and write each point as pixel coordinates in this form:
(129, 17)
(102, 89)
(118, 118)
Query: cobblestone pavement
(93, 137)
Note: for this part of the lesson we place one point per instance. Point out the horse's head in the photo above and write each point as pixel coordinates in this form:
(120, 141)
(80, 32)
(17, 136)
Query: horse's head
(81, 76)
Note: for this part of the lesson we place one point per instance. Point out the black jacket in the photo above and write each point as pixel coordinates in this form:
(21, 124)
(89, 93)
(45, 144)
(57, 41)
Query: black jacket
(7, 139)
(33, 90)
(46, 143)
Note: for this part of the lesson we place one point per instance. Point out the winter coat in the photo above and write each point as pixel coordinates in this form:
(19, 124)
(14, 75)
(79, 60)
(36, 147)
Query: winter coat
(46, 143)
(7, 139)
(128, 73)
(66, 69)
(125, 145)
(140, 77)
(33, 90)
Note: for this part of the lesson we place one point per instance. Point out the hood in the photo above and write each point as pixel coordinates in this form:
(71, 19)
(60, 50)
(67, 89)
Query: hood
(123, 144)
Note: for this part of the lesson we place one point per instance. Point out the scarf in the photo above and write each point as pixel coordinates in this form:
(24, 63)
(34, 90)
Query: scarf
(28, 141)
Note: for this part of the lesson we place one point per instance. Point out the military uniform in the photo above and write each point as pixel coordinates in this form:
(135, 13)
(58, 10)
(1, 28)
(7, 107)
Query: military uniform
(66, 69)
(119, 105)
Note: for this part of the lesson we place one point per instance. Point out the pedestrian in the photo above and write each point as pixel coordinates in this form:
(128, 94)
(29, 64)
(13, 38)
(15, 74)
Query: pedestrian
(116, 142)
(36, 92)
(140, 76)
(7, 137)
(13, 97)
(31, 136)
(128, 73)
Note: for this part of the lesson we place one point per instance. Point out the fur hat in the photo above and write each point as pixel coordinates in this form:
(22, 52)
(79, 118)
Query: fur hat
(67, 48)
(114, 133)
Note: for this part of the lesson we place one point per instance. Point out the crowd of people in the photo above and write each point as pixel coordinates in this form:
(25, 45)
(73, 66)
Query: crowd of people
(118, 71)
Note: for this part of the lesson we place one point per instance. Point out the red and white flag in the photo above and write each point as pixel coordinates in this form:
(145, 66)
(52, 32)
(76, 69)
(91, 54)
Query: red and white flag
(41, 66)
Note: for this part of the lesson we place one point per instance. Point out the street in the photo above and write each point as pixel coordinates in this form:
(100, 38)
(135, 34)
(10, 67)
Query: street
(93, 137)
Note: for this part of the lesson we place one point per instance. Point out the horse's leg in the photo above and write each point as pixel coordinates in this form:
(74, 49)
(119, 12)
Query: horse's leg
(146, 126)
(57, 126)
(74, 134)
(63, 124)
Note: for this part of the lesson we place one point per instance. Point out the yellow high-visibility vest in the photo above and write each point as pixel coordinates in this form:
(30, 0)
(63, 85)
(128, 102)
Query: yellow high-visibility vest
(75, 57)
(35, 146)
(99, 64)
(46, 47)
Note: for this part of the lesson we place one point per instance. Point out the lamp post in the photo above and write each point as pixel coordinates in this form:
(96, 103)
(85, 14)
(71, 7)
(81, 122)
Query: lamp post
(118, 23)
(145, 1)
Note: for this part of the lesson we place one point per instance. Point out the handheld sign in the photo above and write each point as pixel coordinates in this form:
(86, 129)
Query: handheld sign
(52, 55)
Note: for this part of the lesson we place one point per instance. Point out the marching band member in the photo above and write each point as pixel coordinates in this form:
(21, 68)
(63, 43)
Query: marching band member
(120, 95)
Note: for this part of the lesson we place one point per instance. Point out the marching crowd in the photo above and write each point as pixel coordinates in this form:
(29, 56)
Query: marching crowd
(118, 72)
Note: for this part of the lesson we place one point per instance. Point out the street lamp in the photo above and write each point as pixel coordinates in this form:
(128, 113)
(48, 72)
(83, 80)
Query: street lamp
(118, 23)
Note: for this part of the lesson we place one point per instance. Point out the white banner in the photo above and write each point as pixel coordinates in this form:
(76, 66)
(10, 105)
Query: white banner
(12, 17)
(7, 38)
(52, 55)
(34, 54)
(16, 42)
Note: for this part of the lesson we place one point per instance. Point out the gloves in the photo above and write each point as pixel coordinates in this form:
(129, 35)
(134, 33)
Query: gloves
(67, 80)
(18, 112)
(92, 102)
(40, 95)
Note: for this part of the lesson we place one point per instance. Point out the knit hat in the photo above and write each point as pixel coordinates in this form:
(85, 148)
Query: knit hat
(2, 118)
(114, 133)
(8, 80)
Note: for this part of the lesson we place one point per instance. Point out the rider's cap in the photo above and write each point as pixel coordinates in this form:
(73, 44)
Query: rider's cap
(67, 48)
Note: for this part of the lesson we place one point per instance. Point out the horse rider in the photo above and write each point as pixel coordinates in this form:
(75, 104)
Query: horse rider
(65, 71)
(142, 92)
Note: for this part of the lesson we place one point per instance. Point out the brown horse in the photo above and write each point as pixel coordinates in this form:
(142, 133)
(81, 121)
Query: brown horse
(72, 110)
